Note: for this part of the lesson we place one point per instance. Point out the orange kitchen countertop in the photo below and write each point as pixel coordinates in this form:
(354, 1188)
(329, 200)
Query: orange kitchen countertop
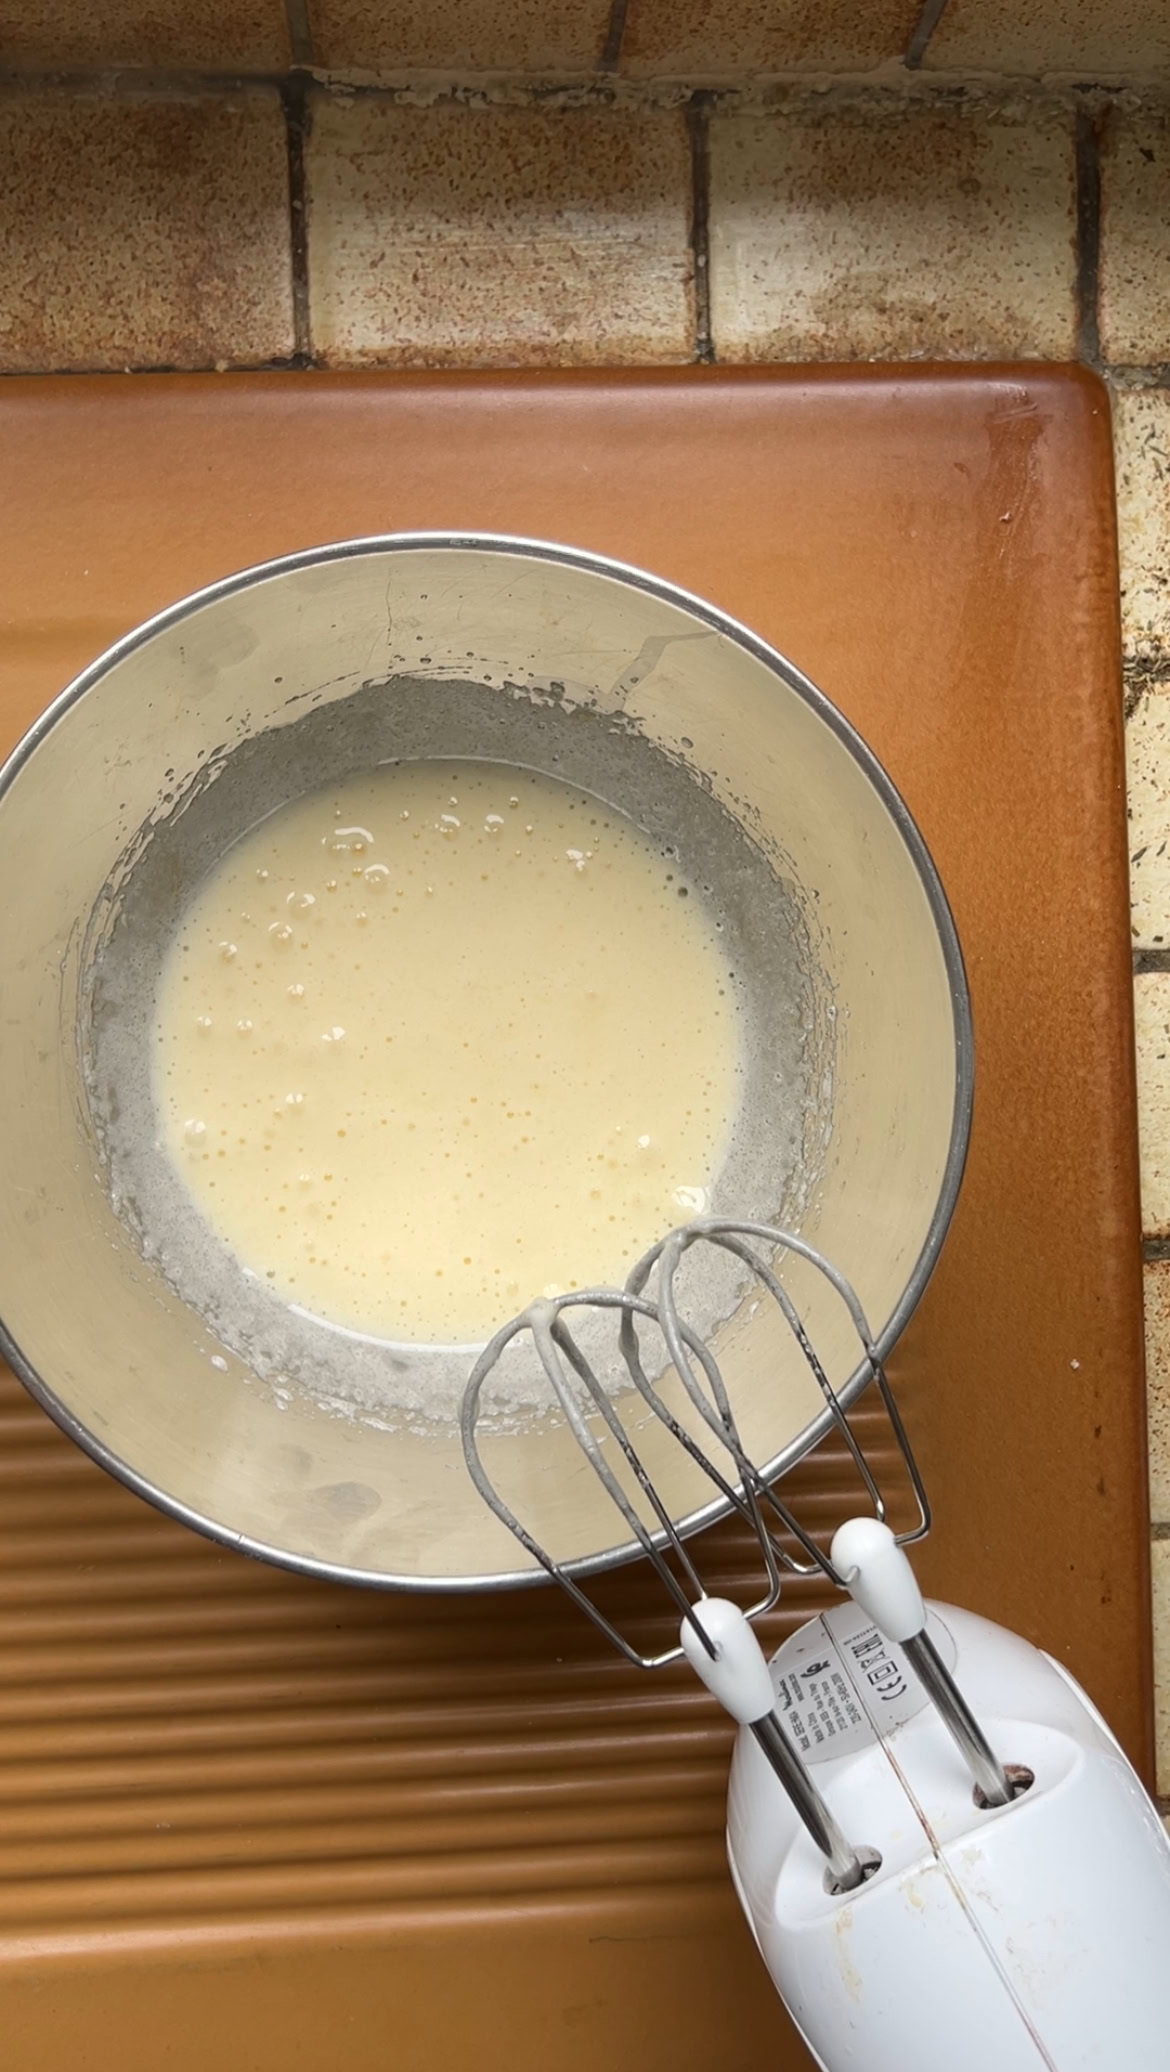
(250, 1820)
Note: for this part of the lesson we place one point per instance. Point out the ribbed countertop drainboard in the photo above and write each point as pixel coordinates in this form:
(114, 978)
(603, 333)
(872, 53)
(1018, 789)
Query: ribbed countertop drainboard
(180, 1727)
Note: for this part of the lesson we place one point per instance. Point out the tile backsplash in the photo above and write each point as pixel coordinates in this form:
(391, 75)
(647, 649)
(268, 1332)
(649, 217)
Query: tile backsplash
(520, 235)
(832, 232)
(568, 182)
(464, 37)
(143, 229)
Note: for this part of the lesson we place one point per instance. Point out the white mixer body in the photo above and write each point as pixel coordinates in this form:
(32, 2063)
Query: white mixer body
(1033, 1937)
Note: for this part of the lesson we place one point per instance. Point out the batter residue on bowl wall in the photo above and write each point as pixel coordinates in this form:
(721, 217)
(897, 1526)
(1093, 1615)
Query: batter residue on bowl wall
(441, 1037)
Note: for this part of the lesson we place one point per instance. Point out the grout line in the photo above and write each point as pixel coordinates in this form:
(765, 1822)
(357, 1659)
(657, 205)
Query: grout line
(147, 370)
(698, 130)
(1154, 374)
(300, 33)
(1088, 179)
(896, 88)
(897, 91)
(1155, 1249)
(1150, 960)
(295, 102)
(924, 29)
(614, 36)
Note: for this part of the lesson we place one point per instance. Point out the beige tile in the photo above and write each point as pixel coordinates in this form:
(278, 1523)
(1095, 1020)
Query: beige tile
(1141, 439)
(1160, 1565)
(1086, 39)
(691, 40)
(924, 233)
(1135, 239)
(1157, 1301)
(464, 36)
(216, 35)
(1147, 743)
(1152, 1013)
(143, 233)
(454, 236)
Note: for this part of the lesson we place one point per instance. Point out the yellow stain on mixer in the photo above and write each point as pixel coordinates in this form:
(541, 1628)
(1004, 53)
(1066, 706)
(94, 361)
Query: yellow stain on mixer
(441, 1038)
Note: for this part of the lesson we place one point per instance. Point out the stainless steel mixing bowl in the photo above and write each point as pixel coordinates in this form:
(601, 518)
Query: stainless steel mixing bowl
(180, 736)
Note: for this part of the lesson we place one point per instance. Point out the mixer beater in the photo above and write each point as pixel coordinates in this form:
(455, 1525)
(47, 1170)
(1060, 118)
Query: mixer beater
(1029, 1914)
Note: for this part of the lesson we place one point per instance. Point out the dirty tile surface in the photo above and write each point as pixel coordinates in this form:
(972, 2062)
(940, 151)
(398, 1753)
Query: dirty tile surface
(1084, 39)
(1152, 1015)
(463, 36)
(495, 237)
(1135, 238)
(929, 235)
(1147, 741)
(1141, 433)
(143, 233)
(1157, 1301)
(691, 40)
(215, 36)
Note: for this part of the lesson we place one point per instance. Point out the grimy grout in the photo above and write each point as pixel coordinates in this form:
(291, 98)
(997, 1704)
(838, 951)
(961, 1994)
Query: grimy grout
(893, 89)
(1088, 193)
(300, 32)
(922, 32)
(699, 136)
(297, 121)
(614, 36)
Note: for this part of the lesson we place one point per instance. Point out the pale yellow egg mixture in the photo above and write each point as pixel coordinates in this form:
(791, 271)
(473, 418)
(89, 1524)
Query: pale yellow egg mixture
(439, 1039)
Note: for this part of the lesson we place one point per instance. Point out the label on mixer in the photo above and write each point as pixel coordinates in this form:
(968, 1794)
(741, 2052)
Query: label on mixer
(839, 1678)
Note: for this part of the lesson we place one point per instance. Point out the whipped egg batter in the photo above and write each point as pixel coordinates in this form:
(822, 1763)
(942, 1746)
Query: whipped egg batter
(441, 1038)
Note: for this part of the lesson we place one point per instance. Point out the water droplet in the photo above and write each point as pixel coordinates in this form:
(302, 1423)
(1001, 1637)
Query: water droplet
(300, 902)
(280, 933)
(227, 951)
(377, 876)
(194, 1131)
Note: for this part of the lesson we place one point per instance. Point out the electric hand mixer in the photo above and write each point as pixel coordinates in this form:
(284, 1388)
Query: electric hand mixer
(944, 1856)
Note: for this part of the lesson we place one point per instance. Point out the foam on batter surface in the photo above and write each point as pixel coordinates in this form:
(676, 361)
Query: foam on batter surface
(440, 1037)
